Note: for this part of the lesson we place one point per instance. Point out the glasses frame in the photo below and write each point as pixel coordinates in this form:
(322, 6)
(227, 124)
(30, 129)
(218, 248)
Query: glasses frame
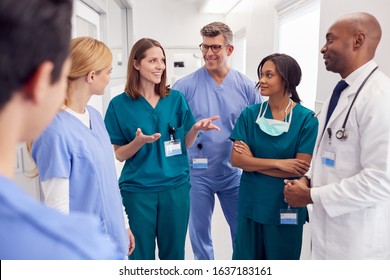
(219, 47)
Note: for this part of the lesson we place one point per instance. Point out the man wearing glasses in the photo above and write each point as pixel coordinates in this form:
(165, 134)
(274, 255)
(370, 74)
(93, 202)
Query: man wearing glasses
(214, 90)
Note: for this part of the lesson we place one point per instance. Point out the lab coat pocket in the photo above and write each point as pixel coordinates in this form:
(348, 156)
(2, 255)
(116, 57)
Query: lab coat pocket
(347, 155)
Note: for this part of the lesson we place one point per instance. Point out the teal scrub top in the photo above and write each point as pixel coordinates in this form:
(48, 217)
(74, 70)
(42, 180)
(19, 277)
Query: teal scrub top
(261, 196)
(149, 170)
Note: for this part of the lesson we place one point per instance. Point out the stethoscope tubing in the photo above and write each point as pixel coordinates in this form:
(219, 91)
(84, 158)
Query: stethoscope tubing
(342, 133)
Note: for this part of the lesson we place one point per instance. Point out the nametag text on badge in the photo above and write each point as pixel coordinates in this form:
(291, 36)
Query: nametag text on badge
(200, 163)
(288, 216)
(172, 148)
(328, 158)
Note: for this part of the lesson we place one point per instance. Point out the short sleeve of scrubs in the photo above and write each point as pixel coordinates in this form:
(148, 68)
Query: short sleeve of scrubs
(308, 135)
(48, 148)
(187, 119)
(113, 127)
(240, 130)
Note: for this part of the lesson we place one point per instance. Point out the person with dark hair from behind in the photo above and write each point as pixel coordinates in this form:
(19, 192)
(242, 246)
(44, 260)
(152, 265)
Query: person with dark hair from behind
(34, 65)
(273, 140)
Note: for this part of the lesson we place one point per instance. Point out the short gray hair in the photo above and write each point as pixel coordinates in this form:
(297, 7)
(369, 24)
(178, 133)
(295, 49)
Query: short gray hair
(216, 28)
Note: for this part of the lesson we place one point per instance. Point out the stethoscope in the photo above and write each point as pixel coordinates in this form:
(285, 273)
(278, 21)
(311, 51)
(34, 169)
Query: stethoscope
(342, 133)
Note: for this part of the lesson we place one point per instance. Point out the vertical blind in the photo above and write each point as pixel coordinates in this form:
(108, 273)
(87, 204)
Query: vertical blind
(239, 55)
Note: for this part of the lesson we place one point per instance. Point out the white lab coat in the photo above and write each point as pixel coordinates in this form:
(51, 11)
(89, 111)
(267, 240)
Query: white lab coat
(351, 210)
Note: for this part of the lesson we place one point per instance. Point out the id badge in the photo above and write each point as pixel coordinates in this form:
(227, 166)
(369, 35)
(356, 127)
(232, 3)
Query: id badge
(200, 163)
(172, 148)
(288, 216)
(328, 158)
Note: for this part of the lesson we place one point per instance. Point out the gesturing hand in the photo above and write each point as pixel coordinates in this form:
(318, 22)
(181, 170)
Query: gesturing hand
(206, 124)
(142, 138)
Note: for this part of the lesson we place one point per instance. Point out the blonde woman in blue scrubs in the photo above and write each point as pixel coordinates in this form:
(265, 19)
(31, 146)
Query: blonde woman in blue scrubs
(74, 155)
(273, 140)
(150, 127)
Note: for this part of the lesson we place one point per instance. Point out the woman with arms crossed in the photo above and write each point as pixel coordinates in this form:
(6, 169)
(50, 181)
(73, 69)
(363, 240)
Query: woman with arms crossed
(273, 140)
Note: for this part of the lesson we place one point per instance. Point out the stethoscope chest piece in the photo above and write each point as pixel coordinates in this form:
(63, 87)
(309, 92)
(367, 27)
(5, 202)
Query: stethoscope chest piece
(341, 134)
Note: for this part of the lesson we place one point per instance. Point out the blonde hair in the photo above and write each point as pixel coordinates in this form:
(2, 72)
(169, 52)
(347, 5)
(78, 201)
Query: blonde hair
(88, 54)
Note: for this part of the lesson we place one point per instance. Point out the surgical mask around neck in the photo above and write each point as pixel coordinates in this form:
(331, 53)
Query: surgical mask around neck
(273, 127)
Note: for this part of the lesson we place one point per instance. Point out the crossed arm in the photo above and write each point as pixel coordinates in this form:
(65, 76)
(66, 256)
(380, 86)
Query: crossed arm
(243, 158)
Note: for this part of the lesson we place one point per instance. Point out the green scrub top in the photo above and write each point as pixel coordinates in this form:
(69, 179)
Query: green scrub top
(261, 196)
(149, 170)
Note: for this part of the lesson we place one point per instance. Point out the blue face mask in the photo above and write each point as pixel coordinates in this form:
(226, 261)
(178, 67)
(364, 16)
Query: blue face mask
(273, 127)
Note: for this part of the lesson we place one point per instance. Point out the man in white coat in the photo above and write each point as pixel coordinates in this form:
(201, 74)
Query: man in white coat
(350, 183)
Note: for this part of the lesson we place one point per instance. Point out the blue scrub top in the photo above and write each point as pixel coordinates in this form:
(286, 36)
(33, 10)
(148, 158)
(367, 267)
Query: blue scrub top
(68, 149)
(206, 98)
(261, 196)
(29, 230)
(149, 170)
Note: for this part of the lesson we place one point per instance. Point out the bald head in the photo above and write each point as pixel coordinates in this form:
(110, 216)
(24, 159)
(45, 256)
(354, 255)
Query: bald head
(366, 24)
(351, 42)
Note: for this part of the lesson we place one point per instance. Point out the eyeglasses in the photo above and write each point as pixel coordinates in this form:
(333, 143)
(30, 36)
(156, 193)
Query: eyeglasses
(214, 48)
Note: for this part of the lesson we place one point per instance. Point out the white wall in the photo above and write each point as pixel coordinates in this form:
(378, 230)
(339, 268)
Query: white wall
(25, 174)
(258, 18)
(171, 22)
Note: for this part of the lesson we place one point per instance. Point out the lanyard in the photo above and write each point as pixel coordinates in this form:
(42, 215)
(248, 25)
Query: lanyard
(172, 131)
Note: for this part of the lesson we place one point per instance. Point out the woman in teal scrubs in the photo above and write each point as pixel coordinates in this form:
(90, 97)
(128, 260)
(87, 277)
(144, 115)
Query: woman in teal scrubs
(150, 127)
(273, 140)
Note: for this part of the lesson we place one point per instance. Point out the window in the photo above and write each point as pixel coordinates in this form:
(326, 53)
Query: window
(87, 21)
(239, 53)
(299, 22)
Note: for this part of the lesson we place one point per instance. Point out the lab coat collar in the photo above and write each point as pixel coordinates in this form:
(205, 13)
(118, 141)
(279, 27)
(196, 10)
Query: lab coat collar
(354, 80)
